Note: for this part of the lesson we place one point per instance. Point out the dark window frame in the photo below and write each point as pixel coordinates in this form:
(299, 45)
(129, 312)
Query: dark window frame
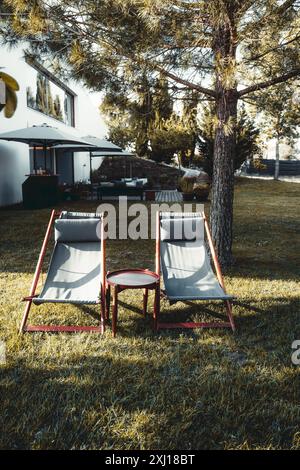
(42, 70)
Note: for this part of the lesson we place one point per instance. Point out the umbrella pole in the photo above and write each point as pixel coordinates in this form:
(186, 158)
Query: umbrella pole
(45, 157)
(34, 160)
(54, 161)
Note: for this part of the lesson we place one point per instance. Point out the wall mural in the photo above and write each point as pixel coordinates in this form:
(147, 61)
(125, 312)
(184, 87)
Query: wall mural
(48, 98)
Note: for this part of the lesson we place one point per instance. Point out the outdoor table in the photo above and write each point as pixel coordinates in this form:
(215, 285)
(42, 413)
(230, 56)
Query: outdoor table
(132, 279)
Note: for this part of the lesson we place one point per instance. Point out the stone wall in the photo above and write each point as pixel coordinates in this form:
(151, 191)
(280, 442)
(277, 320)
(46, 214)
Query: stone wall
(159, 176)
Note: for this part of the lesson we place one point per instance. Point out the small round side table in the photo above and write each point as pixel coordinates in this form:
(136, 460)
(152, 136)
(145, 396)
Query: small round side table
(132, 279)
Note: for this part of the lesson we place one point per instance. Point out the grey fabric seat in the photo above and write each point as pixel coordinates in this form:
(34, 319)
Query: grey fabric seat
(75, 270)
(185, 265)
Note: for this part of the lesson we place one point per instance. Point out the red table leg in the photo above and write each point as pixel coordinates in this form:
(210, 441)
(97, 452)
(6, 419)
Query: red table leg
(114, 280)
(145, 302)
(115, 311)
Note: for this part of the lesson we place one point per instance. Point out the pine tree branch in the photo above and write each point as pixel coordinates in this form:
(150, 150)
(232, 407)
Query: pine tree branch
(273, 13)
(285, 6)
(188, 84)
(268, 83)
(263, 54)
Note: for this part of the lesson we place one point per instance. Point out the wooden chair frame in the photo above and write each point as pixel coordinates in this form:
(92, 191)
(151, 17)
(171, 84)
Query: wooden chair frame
(228, 304)
(32, 294)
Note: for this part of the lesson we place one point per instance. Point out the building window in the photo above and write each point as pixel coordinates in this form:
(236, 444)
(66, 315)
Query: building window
(50, 98)
(41, 160)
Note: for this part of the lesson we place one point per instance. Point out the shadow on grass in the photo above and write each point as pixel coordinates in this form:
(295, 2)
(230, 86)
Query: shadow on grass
(252, 317)
(144, 402)
(96, 315)
(264, 270)
(256, 321)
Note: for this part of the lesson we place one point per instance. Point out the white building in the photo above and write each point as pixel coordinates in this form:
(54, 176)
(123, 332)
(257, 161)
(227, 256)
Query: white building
(43, 98)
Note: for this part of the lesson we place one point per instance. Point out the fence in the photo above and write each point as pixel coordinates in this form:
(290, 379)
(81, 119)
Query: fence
(286, 168)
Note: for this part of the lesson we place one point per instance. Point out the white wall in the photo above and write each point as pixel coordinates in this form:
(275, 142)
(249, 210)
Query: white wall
(14, 157)
(14, 165)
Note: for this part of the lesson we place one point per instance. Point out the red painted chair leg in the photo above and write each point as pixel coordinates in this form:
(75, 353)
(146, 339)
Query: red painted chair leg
(190, 325)
(115, 312)
(229, 313)
(102, 312)
(107, 303)
(25, 316)
(62, 328)
(38, 270)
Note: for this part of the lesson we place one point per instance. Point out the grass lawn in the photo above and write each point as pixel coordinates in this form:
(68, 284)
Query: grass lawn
(199, 389)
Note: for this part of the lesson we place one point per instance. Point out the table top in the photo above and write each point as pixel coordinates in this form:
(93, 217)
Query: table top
(134, 278)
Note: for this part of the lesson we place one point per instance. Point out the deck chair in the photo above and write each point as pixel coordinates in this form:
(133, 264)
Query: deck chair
(76, 272)
(182, 258)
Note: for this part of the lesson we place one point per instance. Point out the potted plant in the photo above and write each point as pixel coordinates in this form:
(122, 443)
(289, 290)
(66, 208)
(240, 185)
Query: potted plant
(186, 185)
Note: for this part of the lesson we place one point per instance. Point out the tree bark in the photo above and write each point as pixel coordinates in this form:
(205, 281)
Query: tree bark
(223, 177)
(224, 144)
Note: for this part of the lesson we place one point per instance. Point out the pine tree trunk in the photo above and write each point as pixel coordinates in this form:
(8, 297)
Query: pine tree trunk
(223, 177)
(225, 140)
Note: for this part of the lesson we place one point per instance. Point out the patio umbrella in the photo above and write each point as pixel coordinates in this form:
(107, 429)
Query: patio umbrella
(102, 144)
(95, 144)
(44, 135)
(103, 153)
(100, 148)
(75, 147)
